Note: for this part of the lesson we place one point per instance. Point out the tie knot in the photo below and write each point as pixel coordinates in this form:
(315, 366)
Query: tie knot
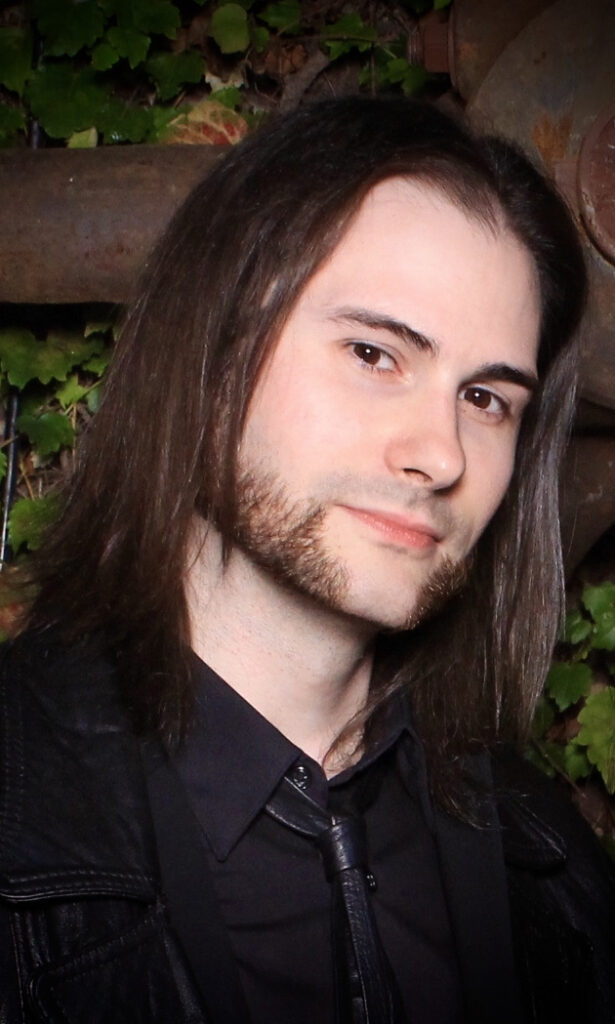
(343, 846)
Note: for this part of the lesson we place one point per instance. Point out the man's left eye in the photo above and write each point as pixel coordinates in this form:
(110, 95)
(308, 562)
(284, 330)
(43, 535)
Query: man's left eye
(484, 400)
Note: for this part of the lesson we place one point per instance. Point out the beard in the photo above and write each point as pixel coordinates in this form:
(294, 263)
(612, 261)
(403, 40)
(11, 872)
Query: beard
(285, 537)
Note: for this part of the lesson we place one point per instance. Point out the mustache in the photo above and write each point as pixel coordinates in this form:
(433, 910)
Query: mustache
(346, 488)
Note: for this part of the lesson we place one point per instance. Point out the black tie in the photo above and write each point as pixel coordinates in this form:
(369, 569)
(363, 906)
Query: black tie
(366, 991)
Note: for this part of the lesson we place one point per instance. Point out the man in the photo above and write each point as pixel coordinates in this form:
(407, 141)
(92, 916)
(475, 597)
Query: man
(307, 575)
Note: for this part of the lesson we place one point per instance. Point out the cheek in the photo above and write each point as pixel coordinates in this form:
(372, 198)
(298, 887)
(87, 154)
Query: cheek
(301, 417)
(491, 482)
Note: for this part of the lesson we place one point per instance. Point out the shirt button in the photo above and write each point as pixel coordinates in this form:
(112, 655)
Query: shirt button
(301, 776)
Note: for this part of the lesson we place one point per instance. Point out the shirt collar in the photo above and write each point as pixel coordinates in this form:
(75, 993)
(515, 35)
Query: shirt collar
(233, 758)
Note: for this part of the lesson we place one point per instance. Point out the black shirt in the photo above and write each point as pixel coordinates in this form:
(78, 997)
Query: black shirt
(270, 882)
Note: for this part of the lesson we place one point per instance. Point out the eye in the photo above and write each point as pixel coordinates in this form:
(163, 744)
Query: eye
(484, 401)
(372, 357)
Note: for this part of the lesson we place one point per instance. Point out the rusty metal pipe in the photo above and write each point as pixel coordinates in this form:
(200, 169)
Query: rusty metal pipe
(77, 225)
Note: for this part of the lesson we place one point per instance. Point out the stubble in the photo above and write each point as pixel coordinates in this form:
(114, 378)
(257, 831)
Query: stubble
(286, 539)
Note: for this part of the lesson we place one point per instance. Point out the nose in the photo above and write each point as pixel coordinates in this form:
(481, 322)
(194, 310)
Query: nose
(425, 446)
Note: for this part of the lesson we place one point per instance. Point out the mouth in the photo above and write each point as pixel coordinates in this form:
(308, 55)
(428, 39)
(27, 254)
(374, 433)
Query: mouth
(401, 530)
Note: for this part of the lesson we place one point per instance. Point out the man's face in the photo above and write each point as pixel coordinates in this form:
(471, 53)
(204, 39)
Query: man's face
(381, 436)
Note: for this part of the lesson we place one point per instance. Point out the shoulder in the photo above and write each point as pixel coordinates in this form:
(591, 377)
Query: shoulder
(540, 824)
(39, 666)
(72, 793)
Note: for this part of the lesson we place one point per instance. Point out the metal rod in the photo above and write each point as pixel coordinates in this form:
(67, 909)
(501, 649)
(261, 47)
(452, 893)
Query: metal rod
(8, 489)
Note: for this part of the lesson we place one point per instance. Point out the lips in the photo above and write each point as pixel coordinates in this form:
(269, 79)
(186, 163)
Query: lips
(400, 529)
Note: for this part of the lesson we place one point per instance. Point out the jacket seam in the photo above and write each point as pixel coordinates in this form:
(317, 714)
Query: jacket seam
(17, 960)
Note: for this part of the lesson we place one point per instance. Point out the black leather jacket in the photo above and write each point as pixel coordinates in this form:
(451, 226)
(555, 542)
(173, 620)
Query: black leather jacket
(84, 933)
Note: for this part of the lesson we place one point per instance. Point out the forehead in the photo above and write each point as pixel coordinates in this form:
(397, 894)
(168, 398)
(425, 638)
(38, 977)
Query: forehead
(413, 254)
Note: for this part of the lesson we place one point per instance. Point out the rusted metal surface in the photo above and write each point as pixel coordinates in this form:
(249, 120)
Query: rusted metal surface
(596, 182)
(432, 43)
(588, 495)
(77, 225)
(546, 90)
(479, 30)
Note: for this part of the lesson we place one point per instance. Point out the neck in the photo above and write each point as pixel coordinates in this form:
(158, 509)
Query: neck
(304, 668)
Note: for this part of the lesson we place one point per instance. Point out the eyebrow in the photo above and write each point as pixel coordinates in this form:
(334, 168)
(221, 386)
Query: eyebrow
(381, 322)
(507, 374)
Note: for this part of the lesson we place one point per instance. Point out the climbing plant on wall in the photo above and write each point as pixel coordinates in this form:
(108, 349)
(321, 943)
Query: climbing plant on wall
(116, 71)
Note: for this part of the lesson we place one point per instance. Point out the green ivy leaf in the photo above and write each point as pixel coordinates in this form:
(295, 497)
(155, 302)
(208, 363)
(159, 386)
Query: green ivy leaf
(98, 363)
(171, 71)
(29, 519)
(66, 99)
(576, 627)
(68, 26)
(599, 599)
(351, 26)
(603, 636)
(23, 357)
(129, 43)
(229, 28)
(439, 5)
(412, 80)
(284, 16)
(598, 733)
(48, 432)
(566, 683)
(62, 351)
(576, 761)
(337, 48)
(158, 17)
(2, 464)
(161, 117)
(87, 139)
(104, 57)
(12, 120)
(229, 97)
(70, 392)
(348, 33)
(18, 353)
(15, 58)
(121, 123)
(259, 36)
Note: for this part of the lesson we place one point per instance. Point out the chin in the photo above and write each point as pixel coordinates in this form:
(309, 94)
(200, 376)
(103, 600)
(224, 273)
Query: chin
(397, 608)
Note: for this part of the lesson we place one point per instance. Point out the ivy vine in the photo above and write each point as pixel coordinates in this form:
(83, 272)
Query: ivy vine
(574, 726)
(59, 381)
(114, 71)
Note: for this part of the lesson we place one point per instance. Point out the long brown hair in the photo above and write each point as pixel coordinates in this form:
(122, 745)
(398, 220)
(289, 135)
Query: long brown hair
(214, 298)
